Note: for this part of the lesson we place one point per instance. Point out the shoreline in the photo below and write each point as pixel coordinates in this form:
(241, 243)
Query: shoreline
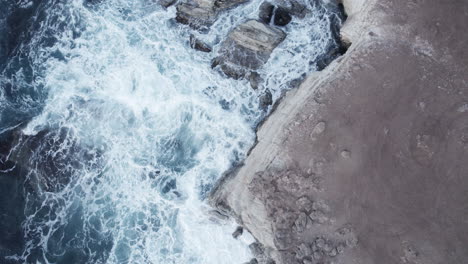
(340, 112)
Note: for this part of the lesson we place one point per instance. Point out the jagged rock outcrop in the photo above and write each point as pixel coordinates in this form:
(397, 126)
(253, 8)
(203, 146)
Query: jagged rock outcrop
(247, 48)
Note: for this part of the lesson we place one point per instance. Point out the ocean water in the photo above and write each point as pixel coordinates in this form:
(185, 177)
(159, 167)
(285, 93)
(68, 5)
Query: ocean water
(113, 130)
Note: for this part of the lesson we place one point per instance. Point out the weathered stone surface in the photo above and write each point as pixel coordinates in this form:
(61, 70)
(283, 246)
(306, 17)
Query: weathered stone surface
(248, 47)
(394, 102)
(201, 14)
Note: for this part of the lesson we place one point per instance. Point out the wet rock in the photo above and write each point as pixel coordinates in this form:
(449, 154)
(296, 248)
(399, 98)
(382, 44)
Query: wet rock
(166, 3)
(266, 12)
(247, 48)
(252, 261)
(197, 15)
(257, 249)
(201, 14)
(255, 80)
(199, 45)
(266, 99)
(238, 232)
(225, 4)
(295, 7)
(282, 17)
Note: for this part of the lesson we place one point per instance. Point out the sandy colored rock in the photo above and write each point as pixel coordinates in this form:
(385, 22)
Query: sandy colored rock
(391, 162)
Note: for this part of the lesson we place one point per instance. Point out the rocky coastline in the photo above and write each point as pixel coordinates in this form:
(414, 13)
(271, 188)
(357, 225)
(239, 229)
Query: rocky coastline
(366, 162)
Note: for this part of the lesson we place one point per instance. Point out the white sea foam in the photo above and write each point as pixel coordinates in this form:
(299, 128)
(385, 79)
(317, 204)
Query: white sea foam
(147, 109)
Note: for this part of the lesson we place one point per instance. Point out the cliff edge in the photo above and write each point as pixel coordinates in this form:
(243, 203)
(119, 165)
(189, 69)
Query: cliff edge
(367, 162)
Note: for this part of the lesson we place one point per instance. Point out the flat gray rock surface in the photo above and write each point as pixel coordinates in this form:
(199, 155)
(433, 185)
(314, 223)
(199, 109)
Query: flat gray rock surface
(367, 162)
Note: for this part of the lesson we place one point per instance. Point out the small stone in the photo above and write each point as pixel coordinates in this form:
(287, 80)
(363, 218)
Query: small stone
(282, 17)
(266, 12)
(238, 232)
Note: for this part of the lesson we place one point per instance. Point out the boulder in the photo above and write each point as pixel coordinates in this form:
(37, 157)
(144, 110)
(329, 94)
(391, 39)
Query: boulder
(201, 14)
(282, 17)
(247, 48)
(197, 14)
(238, 232)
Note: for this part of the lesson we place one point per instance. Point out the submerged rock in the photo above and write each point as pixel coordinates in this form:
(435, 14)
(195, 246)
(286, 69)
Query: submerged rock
(247, 48)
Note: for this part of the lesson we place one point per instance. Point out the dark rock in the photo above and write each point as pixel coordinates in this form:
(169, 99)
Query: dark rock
(167, 3)
(197, 17)
(266, 12)
(255, 80)
(252, 261)
(247, 48)
(257, 249)
(266, 100)
(225, 4)
(201, 14)
(282, 17)
(238, 232)
(199, 45)
(297, 9)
